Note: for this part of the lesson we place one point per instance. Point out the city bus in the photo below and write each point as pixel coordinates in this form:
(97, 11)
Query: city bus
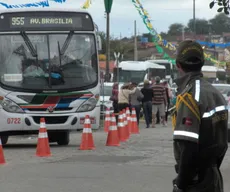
(138, 71)
(49, 68)
(171, 70)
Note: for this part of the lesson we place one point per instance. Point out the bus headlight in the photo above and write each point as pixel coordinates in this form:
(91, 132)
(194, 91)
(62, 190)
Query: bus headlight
(11, 107)
(89, 105)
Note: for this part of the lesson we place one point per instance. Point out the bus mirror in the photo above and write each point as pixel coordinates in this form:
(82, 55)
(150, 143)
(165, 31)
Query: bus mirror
(99, 43)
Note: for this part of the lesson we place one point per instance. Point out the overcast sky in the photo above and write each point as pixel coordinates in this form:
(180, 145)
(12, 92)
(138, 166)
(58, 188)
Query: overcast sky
(162, 12)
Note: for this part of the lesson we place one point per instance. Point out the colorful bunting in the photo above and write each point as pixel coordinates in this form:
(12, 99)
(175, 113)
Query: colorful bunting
(158, 39)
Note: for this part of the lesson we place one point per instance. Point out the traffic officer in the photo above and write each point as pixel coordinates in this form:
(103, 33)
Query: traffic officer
(200, 125)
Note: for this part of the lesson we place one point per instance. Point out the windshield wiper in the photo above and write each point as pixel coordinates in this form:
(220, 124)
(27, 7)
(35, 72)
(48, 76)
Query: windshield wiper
(20, 51)
(29, 44)
(59, 52)
(66, 43)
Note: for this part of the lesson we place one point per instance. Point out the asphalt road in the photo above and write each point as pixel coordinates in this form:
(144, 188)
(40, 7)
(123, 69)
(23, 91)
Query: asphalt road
(143, 164)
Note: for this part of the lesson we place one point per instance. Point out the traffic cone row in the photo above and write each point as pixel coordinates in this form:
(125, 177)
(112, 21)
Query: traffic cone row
(127, 124)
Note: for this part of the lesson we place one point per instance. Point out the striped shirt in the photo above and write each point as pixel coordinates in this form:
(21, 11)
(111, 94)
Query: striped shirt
(159, 94)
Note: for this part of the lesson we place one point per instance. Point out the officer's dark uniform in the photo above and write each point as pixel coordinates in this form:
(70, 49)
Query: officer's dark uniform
(200, 130)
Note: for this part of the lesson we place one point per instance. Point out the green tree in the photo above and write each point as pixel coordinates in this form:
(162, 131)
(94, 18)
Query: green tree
(220, 23)
(202, 26)
(224, 6)
(119, 46)
(164, 35)
(149, 36)
(175, 29)
(103, 41)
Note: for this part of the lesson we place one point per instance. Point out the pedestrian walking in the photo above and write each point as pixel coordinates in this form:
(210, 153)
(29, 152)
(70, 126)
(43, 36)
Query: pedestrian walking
(200, 125)
(123, 96)
(147, 91)
(168, 97)
(159, 101)
(136, 100)
(114, 99)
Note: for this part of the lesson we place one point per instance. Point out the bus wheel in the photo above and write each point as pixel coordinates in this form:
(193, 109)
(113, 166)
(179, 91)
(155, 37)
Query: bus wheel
(63, 138)
(4, 139)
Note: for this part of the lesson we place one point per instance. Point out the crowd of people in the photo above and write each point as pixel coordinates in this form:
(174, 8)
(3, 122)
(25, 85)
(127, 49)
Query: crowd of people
(154, 98)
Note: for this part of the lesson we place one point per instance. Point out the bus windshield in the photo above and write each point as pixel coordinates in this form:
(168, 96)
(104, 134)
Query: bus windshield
(156, 72)
(48, 61)
(167, 67)
(135, 76)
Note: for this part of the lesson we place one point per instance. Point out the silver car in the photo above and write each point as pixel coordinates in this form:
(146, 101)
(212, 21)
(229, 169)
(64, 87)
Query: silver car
(225, 90)
(105, 94)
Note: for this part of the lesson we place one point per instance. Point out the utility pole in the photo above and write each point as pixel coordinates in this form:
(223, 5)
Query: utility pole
(194, 19)
(135, 41)
(108, 7)
(107, 46)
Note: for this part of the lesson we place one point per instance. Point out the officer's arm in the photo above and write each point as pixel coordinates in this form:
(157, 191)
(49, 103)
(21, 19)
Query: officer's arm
(188, 163)
(186, 136)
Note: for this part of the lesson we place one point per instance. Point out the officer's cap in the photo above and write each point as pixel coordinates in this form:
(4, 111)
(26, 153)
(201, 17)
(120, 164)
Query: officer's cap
(189, 51)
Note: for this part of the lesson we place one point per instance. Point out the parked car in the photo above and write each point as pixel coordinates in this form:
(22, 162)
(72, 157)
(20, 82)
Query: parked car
(225, 90)
(105, 94)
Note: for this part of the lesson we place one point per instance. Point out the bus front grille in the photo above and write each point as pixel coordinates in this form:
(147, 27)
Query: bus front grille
(51, 119)
(55, 109)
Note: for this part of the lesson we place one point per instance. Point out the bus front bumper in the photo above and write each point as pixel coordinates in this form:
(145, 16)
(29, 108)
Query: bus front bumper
(31, 122)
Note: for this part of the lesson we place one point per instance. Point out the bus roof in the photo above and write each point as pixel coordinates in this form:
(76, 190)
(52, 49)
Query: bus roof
(160, 61)
(209, 68)
(139, 65)
(43, 9)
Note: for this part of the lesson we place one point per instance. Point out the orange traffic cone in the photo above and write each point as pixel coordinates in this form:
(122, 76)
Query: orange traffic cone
(87, 142)
(113, 137)
(121, 128)
(126, 124)
(134, 129)
(43, 147)
(2, 158)
(128, 119)
(107, 121)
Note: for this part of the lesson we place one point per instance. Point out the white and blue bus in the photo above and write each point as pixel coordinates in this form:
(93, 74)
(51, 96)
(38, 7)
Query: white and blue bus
(48, 68)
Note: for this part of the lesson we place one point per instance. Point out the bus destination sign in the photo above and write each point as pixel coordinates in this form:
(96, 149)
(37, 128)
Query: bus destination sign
(35, 21)
(29, 22)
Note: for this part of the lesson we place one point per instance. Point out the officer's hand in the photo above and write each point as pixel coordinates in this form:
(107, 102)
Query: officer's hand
(176, 189)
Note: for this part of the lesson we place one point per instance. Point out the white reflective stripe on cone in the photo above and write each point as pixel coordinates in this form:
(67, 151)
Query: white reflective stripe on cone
(113, 128)
(107, 119)
(87, 130)
(87, 121)
(43, 135)
(120, 124)
(0, 142)
(113, 119)
(42, 125)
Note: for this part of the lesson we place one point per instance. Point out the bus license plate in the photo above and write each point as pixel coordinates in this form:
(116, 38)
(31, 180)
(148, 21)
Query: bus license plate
(92, 120)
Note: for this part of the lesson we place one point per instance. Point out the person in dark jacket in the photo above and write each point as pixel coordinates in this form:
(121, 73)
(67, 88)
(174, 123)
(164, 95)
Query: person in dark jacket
(135, 100)
(165, 84)
(114, 99)
(200, 124)
(147, 91)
